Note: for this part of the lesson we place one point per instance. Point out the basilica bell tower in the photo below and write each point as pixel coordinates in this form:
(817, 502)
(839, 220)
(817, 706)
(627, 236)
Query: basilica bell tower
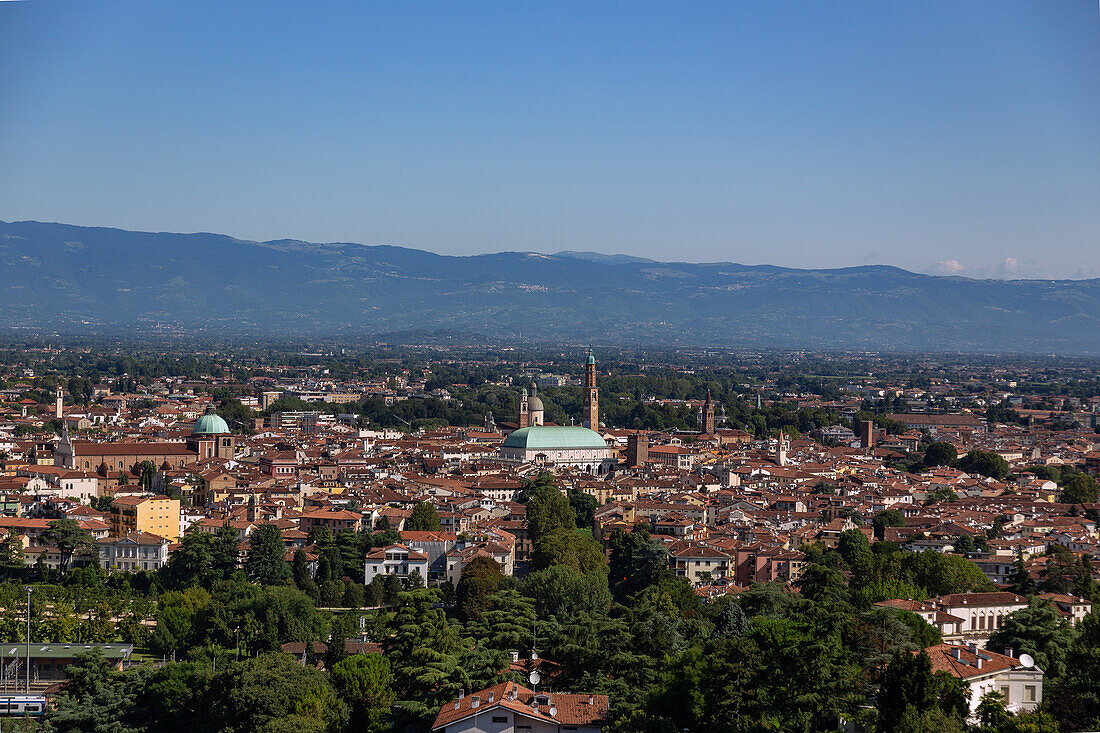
(592, 395)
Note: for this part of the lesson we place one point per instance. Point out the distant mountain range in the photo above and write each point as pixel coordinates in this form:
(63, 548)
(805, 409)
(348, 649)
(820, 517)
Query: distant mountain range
(72, 279)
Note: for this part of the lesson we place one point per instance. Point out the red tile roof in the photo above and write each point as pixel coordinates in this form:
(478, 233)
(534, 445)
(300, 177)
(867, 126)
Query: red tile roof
(571, 709)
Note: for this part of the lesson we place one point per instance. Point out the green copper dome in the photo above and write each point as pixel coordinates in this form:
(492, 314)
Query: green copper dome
(210, 424)
(547, 437)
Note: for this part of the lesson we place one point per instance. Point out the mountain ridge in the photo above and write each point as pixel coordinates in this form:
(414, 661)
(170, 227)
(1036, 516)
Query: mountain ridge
(67, 278)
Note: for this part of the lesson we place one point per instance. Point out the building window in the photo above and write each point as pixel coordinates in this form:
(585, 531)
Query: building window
(1029, 693)
(1007, 692)
(500, 719)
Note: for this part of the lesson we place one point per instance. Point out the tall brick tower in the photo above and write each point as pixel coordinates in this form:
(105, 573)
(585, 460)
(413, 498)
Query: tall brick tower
(592, 395)
(708, 416)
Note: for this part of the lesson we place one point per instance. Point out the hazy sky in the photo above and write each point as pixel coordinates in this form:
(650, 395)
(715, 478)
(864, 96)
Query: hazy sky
(956, 136)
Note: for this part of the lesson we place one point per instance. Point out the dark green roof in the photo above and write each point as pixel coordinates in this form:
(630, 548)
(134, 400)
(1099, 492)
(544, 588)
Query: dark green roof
(210, 424)
(18, 650)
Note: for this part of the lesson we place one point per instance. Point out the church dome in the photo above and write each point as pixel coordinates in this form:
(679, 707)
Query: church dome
(548, 437)
(210, 424)
(534, 404)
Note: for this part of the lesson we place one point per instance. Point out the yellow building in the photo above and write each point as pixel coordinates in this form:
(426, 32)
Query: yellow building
(157, 515)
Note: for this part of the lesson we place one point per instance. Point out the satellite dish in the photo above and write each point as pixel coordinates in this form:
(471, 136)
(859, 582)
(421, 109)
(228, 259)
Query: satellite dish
(553, 711)
(1027, 660)
(535, 677)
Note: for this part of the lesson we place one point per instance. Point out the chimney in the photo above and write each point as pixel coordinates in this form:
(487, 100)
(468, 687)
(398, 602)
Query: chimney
(515, 656)
(972, 648)
(1008, 652)
(475, 702)
(591, 699)
(491, 695)
(956, 653)
(979, 662)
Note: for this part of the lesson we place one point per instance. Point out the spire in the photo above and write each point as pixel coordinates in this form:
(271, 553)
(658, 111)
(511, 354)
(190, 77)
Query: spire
(708, 415)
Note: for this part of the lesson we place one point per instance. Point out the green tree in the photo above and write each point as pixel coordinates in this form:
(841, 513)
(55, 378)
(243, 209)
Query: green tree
(425, 653)
(548, 510)
(273, 693)
(224, 550)
(93, 699)
(1038, 630)
(887, 518)
(299, 568)
(985, 463)
(1021, 579)
(365, 683)
(910, 689)
(70, 539)
(854, 547)
(637, 561)
(481, 577)
(571, 548)
(1080, 489)
(940, 454)
(991, 710)
(266, 560)
(584, 506)
(12, 563)
(424, 518)
(561, 591)
(191, 562)
(147, 472)
(506, 624)
(1060, 573)
(941, 574)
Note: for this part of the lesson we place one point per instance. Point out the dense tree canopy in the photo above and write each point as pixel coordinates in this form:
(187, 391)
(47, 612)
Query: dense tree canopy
(424, 518)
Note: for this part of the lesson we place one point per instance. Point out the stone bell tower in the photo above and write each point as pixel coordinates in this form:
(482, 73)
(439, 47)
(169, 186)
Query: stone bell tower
(524, 417)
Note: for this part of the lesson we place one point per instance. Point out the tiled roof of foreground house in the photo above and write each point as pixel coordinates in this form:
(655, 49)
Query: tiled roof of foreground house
(569, 709)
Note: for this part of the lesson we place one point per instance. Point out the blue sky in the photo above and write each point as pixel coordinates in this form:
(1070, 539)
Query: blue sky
(959, 137)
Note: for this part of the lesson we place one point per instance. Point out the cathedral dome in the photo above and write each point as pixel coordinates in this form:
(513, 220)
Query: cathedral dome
(210, 424)
(533, 404)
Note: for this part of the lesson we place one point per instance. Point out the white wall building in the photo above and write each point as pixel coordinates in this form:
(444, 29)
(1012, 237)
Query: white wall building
(1017, 679)
(396, 560)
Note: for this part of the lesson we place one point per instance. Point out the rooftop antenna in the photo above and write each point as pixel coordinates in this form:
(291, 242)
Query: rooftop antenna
(534, 678)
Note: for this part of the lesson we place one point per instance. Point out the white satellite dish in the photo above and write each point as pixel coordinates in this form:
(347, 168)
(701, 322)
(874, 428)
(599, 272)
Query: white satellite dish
(534, 677)
(553, 711)
(1027, 660)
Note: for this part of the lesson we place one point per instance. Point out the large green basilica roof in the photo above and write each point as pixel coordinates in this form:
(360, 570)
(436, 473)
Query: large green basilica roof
(544, 437)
